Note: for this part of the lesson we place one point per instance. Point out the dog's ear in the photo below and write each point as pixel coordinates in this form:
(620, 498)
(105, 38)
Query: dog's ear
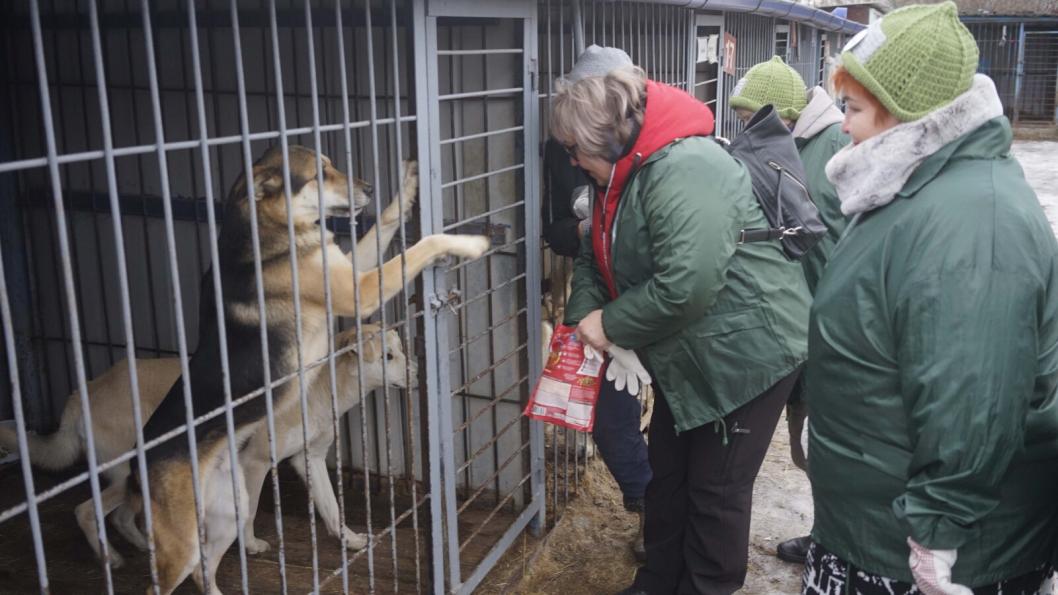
(369, 351)
(298, 181)
(267, 181)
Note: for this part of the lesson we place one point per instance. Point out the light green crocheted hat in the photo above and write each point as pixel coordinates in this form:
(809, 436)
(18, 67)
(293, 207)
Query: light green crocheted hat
(915, 59)
(771, 82)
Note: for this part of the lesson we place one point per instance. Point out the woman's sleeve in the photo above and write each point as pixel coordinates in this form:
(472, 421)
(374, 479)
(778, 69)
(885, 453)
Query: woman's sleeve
(967, 353)
(588, 290)
(692, 221)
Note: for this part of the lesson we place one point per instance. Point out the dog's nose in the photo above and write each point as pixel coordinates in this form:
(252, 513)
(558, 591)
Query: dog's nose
(369, 190)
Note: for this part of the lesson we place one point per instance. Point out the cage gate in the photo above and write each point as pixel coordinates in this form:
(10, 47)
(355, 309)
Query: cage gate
(477, 90)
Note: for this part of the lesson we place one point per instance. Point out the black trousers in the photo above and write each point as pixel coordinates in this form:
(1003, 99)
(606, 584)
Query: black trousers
(699, 500)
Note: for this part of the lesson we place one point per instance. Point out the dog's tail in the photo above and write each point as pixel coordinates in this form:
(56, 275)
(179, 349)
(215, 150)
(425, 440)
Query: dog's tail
(55, 451)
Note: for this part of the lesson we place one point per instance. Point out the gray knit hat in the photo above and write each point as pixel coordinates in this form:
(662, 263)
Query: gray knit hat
(598, 61)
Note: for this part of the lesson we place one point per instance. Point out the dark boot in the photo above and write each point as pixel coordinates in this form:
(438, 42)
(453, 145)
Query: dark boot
(794, 550)
(638, 549)
(637, 506)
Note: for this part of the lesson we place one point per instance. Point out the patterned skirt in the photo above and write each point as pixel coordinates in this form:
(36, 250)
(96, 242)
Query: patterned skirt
(827, 574)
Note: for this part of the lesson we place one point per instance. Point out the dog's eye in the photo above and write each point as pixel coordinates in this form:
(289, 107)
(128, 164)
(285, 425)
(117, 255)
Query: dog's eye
(389, 355)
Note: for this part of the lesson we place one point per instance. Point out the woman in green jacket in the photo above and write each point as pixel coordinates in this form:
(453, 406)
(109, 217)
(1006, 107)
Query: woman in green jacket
(663, 285)
(933, 342)
(816, 126)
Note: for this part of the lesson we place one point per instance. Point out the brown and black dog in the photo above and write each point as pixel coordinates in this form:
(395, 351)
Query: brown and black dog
(169, 464)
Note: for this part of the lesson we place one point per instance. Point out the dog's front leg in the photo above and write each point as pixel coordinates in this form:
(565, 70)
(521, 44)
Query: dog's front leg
(255, 468)
(367, 249)
(322, 493)
(378, 285)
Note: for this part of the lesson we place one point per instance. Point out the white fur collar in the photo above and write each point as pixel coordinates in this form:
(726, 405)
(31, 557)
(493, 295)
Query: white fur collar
(817, 115)
(868, 175)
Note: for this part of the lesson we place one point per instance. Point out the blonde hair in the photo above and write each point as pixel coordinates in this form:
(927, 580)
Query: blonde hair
(595, 113)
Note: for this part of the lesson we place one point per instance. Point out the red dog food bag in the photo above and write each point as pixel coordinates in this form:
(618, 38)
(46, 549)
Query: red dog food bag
(567, 390)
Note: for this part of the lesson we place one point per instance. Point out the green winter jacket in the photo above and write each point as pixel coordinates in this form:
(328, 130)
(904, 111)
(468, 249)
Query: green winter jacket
(716, 322)
(815, 152)
(932, 372)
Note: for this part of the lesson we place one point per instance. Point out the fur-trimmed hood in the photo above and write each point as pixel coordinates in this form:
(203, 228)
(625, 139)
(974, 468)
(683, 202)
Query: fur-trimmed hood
(817, 115)
(868, 175)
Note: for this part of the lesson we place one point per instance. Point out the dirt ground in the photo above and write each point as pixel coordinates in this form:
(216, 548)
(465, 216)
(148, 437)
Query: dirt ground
(588, 553)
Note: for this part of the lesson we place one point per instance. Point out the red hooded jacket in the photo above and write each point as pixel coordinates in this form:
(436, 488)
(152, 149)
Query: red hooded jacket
(670, 114)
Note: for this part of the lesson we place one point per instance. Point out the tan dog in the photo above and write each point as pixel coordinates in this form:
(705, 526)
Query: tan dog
(289, 439)
(114, 434)
(173, 499)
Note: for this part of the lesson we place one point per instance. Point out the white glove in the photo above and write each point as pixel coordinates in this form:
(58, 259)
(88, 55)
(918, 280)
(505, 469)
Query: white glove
(581, 202)
(932, 570)
(625, 369)
(804, 439)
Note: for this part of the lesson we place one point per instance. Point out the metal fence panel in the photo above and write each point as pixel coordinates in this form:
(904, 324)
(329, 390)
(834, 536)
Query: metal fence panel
(124, 132)
(1021, 57)
(190, 93)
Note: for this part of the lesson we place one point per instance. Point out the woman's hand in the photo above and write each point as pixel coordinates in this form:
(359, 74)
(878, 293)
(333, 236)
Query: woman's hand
(590, 331)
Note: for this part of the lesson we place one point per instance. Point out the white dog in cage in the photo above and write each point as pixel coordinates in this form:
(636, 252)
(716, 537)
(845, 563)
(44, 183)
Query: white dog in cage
(400, 372)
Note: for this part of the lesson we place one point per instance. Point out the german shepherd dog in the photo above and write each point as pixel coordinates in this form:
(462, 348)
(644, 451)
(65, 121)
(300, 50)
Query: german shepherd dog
(169, 464)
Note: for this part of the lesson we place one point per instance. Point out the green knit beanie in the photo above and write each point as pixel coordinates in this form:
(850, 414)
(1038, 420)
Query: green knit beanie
(915, 59)
(771, 82)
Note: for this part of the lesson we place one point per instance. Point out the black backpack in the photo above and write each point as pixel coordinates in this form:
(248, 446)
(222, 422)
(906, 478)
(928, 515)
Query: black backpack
(767, 149)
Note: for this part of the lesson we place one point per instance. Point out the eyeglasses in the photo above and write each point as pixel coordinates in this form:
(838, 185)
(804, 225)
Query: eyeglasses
(571, 150)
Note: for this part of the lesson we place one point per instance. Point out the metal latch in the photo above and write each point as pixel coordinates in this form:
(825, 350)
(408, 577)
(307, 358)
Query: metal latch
(449, 301)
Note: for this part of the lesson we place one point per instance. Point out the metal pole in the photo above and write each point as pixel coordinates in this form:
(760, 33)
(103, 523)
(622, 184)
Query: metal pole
(429, 128)
(123, 285)
(178, 304)
(348, 150)
(578, 29)
(20, 430)
(71, 303)
(533, 262)
(1020, 74)
(244, 127)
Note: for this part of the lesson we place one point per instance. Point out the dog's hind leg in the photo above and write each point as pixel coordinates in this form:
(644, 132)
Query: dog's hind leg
(208, 586)
(125, 522)
(176, 550)
(221, 526)
(124, 517)
(112, 497)
(255, 471)
(175, 524)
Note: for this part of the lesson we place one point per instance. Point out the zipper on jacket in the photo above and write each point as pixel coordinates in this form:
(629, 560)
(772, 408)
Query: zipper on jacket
(607, 259)
(607, 249)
